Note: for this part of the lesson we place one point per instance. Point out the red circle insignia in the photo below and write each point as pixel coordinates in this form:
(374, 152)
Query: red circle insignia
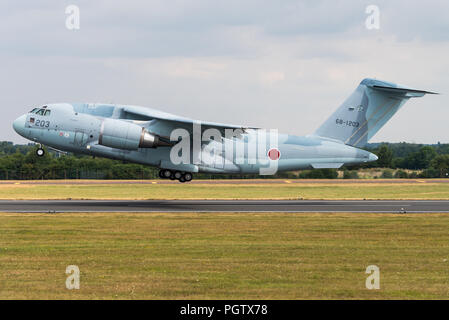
(274, 154)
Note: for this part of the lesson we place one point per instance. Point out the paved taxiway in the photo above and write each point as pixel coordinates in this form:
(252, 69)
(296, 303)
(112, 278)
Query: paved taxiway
(382, 206)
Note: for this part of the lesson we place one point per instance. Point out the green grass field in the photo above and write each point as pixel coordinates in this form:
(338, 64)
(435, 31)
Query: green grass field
(428, 190)
(224, 255)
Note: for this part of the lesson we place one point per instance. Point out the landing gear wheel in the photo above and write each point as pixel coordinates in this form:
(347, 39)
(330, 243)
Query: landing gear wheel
(40, 152)
(166, 173)
(188, 176)
(182, 179)
(172, 177)
(177, 175)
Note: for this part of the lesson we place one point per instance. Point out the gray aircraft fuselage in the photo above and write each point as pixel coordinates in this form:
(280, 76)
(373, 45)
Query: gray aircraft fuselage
(146, 136)
(77, 129)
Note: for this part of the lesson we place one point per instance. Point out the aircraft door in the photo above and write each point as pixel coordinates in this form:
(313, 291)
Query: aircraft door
(80, 138)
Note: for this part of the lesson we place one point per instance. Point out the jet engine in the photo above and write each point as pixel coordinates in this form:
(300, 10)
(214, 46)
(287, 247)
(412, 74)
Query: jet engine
(127, 135)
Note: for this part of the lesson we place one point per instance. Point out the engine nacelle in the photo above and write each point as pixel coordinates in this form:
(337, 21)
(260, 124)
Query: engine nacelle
(127, 135)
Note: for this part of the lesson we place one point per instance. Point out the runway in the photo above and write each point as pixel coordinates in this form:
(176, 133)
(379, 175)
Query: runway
(361, 206)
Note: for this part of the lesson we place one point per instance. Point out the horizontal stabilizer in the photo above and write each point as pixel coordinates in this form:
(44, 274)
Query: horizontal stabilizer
(403, 91)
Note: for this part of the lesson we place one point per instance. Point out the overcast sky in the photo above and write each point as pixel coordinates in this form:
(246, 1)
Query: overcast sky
(273, 64)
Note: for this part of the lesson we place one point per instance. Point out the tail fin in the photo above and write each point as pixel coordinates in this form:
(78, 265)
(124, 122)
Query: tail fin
(366, 110)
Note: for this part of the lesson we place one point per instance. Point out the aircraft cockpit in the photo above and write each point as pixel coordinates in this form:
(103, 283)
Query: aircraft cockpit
(41, 111)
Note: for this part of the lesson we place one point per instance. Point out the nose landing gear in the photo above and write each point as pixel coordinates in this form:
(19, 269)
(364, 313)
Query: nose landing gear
(175, 175)
(40, 152)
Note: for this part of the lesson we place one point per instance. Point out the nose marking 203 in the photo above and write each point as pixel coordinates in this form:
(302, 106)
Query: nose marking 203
(42, 123)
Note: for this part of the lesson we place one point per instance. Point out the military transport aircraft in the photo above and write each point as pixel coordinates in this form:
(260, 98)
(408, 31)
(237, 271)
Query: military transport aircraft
(181, 146)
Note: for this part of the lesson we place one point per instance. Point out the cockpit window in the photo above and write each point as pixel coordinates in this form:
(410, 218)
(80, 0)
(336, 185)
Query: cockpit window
(41, 112)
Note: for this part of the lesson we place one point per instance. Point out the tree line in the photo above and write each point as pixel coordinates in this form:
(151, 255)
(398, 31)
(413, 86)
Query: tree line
(431, 160)
(19, 162)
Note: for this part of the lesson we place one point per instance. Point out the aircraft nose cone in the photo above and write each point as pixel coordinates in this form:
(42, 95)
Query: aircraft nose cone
(19, 124)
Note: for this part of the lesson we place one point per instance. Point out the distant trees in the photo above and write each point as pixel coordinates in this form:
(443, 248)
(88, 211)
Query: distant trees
(24, 164)
(401, 174)
(387, 174)
(319, 174)
(433, 160)
(350, 174)
(385, 155)
(441, 163)
(420, 159)
(20, 162)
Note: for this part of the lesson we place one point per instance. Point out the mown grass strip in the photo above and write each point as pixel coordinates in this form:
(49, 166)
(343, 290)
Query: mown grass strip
(223, 255)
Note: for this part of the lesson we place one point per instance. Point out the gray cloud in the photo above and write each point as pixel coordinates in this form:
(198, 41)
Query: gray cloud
(285, 65)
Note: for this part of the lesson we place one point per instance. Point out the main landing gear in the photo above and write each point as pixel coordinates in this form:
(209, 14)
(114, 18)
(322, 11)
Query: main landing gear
(175, 175)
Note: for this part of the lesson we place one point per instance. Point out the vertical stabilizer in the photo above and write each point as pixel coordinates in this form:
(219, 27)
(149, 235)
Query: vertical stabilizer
(365, 111)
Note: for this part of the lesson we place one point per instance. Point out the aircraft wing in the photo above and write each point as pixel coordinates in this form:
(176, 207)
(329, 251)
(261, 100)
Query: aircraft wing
(163, 123)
